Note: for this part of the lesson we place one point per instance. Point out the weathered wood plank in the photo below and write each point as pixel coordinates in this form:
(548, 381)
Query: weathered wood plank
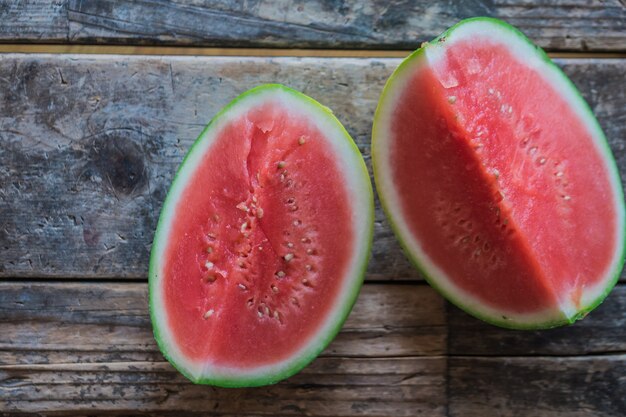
(89, 145)
(81, 346)
(556, 25)
(603, 331)
(537, 387)
(329, 387)
(99, 322)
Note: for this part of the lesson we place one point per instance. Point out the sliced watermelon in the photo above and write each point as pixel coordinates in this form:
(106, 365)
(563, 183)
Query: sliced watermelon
(498, 179)
(262, 242)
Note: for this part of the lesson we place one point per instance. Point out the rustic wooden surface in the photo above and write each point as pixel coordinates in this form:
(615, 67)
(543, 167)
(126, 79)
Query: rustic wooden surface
(107, 133)
(557, 25)
(74, 346)
(88, 148)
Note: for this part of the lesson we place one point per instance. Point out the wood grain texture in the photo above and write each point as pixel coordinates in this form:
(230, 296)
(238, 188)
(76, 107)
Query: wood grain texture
(538, 387)
(398, 24)
(109, 322)
(89, 146)
(81, 346)
(602, 332)
(70, 347)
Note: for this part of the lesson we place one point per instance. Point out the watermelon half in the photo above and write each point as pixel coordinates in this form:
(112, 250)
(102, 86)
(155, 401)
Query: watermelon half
(498, 179)
(262, 242)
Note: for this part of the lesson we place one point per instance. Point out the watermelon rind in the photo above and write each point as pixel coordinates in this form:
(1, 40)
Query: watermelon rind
(538, 59)
(362, 197)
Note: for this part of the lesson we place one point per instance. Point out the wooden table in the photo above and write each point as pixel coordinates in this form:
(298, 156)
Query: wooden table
(90, 137)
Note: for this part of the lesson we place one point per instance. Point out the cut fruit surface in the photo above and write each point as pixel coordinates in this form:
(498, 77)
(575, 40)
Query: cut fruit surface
(498, 179)
(262, 242)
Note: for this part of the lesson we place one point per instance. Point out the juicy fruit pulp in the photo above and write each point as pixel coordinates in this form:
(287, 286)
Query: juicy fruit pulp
(264, 251)
(499, 182)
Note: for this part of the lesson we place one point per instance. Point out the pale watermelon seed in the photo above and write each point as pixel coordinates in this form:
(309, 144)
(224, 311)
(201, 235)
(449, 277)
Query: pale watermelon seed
(208, 314)
(288, 257)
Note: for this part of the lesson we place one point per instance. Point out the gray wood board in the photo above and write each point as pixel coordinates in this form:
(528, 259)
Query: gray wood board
(70, 347)
(397, 24)
(89, 146)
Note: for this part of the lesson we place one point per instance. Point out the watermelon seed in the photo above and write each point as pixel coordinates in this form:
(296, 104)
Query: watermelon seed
(209, 249)
(243, 287)
(266, 309)
(558, 174)
(208, 314)
(282, 177)
(211, 236)
(567, 198)
(295, 301)
(310, 251)
(208, 265)
(288, 257)
(210, 278)
(216, 217)
(532, 150)
(259, 312)
(308, 267)
(280, 274)
(496, 173)
(254, 199)
(294, 208)
(541, 161)
(290, 200)
(301, 141)
(250, 302)
(297, 222)
(305, 240)
(281, 164)
(452, 99)
(306, 283)
(289, 245)
(261, 248)
(274, 289)
(259, 213)
(244, 226)
(491, 91)
(242, 206)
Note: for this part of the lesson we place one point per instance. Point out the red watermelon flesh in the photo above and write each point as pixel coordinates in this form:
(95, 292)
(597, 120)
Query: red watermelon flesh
(498, 179)
(266, 248)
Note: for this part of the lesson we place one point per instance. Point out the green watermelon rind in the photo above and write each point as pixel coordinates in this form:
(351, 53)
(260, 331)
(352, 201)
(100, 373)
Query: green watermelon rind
(348, 300)
(606, 153)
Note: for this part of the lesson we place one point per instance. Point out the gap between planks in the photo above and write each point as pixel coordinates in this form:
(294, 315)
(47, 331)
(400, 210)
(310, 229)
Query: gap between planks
(248, 52)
